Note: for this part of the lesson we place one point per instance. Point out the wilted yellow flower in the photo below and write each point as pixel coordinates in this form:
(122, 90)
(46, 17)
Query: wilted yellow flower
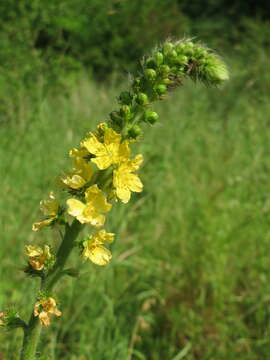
(44, 308)
(91, 211)
(94, 251)
(125, 181)
(81, 174)
(109, 150)
(38, 256)
(49, 208)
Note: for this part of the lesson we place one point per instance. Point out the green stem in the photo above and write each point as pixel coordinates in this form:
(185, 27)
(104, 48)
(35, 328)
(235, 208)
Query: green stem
(33, 329)
(64, 250)
(31, 338)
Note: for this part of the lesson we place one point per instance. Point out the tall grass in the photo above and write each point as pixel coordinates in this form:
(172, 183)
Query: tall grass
(190, 273)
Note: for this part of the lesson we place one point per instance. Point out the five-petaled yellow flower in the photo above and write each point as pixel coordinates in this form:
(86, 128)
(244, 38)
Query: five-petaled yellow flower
(37, 257)
(44, 308)
(93, 249)
(92, 211)
(109, 150)
(124, 181)
(49, 208)
(81, 174)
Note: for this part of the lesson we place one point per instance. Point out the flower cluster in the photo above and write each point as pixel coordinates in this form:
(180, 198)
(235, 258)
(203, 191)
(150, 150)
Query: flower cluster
(104, 169)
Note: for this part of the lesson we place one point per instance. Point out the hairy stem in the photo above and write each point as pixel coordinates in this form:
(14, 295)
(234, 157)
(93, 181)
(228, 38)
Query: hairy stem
(33, 329)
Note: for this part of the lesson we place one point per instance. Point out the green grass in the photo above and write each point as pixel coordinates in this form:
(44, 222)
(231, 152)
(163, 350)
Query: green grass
(191, 261)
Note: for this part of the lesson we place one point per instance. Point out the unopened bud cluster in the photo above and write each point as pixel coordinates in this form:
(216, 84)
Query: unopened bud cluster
(161, 72)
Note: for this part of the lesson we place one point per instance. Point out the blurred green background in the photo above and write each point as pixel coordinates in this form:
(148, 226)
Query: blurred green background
(191, 262)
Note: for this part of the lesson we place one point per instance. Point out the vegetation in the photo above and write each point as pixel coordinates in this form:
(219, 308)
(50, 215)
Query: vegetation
(190, 268)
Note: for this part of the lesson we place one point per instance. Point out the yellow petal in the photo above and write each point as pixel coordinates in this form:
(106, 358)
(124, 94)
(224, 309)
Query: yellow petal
(136, 162)
(90, 215)
(49, 207)
(103, 236)
(81, 167)
(94, 195)
(103, 162)
(44, 318)
(32, 250)
(74, 182)
(123, 194)
(94, 146)
(78, 152)
(98, 254)
(40, 224)
(124, 151)
(111, 136)
(134, 183)
(75, 207)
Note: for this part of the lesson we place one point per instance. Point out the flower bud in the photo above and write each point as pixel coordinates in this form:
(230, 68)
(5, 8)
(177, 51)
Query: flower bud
(150, 74)
(200, 52)
(151, 117)
(150, 63)
(164, 69)
(161, 89)
(136, 85)
(116, 118)
(180, 48)
(125, 111)
(173, 55)
(182, 59)
(142, 99)
(167, 48)
(159, 58)
(166, 81)
(189, 48)
(125, 98)
(134, 131)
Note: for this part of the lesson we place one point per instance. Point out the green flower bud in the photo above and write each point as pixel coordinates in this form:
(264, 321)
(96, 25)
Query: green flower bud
(125, 112)
(173, 55)
(161, 89)
(134, 131)
(164, 69)
(180, 48)
(142, 99)
(182, 59)
(116, 118)
(150, 63)
(166, 81)
(125, 98)
(136, 85)
(150, 117)
(189, 48)
(167, 48)
(200, 52)
(159, 58)
(150, 74)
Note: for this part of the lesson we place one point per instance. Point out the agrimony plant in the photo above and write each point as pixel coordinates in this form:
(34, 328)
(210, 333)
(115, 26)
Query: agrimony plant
(104, 171)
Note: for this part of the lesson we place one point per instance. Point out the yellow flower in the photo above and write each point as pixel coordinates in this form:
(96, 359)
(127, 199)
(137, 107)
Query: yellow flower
(78, 152)
(49, 208)
(94, 251)
(44, 308)
(81, 174)
(91, 211)
(38, 256)
(108, 150)
(125, 181)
